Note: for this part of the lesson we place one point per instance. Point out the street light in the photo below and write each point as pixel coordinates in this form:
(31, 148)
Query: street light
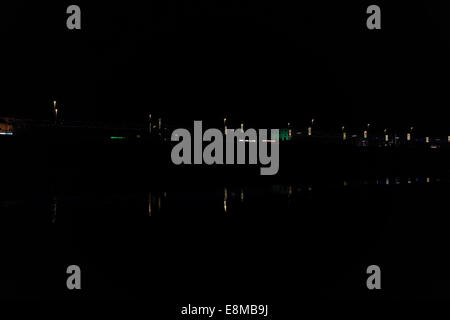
(366, 132)
(408, 136)
(310, 128)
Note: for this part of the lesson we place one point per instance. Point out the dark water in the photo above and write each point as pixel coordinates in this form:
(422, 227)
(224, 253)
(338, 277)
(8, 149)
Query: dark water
(141, 228)
(189, 241)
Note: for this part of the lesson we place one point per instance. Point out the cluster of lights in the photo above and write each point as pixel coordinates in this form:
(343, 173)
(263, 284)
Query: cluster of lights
(344, 133)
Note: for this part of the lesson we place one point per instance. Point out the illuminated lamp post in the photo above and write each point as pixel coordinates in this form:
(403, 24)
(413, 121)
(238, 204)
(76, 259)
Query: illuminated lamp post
(310, 128)
(409, 135)
(366, 133)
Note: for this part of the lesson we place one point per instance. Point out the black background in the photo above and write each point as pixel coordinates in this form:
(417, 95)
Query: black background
(250, 60)
(259, 61)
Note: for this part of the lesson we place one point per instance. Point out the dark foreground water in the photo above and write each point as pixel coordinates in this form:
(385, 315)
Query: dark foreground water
(142, 228)
(188, 242)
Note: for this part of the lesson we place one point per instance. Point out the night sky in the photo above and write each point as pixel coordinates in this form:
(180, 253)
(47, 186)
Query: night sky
(258, 61)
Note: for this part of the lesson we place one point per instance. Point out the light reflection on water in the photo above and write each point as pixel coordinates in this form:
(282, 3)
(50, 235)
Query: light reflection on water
(149, 204)
(226, 200)
(155, 201)
(54, 208)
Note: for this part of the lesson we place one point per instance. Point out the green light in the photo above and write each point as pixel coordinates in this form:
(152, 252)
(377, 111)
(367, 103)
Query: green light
(117, 138)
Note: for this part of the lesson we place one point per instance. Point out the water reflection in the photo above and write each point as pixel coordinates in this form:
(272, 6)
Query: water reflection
(150, 204)
(155, 202)
(291, 189)
(225, 200)
(54, 208)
